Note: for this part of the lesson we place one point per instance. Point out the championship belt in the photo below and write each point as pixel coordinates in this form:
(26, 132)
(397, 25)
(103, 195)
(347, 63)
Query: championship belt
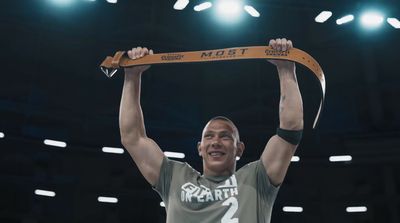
(121, 60)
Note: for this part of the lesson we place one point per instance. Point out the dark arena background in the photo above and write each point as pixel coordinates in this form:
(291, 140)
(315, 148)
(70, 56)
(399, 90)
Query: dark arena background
(61, 156)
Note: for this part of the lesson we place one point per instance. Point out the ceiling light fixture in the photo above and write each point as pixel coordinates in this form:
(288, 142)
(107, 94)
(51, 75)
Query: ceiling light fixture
(394, 22)
(181, 4)
(323, 16)
(251, 10)
(345, 19)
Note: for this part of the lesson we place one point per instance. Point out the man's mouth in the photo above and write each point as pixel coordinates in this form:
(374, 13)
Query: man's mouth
(216, 154)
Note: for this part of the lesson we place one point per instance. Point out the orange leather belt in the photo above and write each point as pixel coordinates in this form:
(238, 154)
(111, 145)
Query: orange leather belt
(121, 60)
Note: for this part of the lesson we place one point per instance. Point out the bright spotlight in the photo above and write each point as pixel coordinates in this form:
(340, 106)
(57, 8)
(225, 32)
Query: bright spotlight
(371, 19)
(107, 199)
(394, 22)
(55, 143)
(343, 158)
(295, 159)
(229, 8)
(45, 193)
(174, 154)
(229, 11)
(292, 209)
(112, 1)
(356, 209)
(345, 19)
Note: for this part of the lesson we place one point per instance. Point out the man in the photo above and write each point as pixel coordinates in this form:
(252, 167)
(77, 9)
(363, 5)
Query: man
(221, 194)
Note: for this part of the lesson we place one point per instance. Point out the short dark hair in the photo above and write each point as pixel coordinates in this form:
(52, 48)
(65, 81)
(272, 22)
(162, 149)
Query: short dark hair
(223, 118)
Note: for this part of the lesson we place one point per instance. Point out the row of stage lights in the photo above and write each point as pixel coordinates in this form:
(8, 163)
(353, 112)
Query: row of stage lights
(228, 7)
(170, 154)
(232, 9)
(103, 199)
(177, 155)
(225, 7)
(370, 19)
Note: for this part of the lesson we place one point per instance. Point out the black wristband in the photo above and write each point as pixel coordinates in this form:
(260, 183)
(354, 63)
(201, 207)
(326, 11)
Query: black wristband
(291, 136)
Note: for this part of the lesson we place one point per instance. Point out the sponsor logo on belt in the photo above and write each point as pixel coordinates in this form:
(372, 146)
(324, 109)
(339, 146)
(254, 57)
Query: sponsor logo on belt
(223, 53)
(276, 53)
(172, 57)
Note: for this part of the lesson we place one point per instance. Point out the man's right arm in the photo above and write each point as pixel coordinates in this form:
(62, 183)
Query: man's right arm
(143, 150)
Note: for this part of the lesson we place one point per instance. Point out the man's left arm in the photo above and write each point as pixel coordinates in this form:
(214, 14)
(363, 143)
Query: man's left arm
(278, 152)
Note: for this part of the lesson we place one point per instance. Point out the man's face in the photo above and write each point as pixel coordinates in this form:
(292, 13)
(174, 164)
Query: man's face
(219, 147)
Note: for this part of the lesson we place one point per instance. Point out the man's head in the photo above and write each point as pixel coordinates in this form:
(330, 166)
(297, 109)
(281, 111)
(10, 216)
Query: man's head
(219, 146)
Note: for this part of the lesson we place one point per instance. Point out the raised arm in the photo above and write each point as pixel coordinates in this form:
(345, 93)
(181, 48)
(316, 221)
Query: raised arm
(278, 151)
(143, 150)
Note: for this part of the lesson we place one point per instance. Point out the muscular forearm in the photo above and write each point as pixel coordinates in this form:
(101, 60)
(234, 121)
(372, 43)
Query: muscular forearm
(291, 105)
(131, 116)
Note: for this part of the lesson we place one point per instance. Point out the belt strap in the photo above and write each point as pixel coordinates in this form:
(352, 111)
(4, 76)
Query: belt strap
(121, 60)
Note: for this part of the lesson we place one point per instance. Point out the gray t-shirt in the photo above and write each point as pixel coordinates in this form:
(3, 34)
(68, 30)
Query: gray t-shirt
(247, 196)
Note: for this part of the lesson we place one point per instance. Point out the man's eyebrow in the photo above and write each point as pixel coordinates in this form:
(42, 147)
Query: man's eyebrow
(218, 132)
(226, 133)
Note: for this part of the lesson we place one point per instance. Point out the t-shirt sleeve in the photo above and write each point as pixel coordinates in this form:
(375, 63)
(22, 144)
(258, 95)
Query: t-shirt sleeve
(255, 174)
(170, 172)
(164, 181)
(265, 188)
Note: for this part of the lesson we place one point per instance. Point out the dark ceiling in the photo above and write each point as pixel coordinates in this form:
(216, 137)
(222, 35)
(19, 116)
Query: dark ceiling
(51, 87)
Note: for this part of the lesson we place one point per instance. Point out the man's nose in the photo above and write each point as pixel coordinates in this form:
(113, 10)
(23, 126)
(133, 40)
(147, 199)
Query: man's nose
(215, 143)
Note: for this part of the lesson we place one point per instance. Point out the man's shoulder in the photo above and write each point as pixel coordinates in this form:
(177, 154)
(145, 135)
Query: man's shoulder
(250, 169)
(250, 165)
(179, 165)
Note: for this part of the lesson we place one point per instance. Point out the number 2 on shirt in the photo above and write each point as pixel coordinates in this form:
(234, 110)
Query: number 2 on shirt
(227, 218)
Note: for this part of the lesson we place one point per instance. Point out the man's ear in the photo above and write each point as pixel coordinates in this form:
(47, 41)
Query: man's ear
(199, 148)
(240, 149)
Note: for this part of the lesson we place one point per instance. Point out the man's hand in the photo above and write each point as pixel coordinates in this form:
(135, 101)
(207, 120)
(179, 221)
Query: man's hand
(137, 53)
(281, 45)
